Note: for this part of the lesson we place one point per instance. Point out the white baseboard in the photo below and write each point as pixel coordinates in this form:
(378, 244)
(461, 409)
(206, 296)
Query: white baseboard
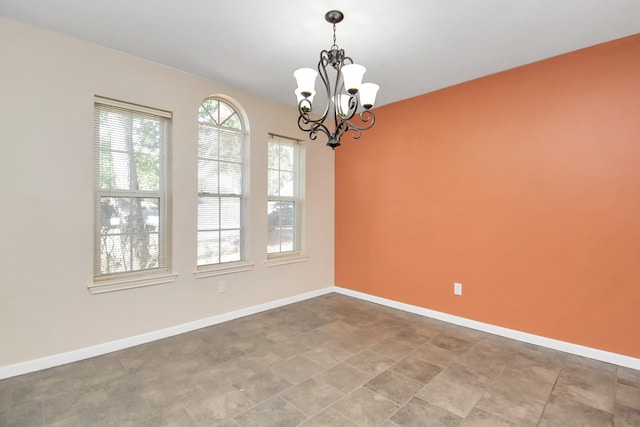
(97, 350)
(592, 353)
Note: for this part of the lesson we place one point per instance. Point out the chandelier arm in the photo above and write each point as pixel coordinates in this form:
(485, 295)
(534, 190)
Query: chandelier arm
(367, 117)
(319, 127)
(324, 76)
(313, 126)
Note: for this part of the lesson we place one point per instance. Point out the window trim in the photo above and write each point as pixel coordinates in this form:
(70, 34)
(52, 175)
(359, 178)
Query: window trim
(243, 264)
(138, 278)
(297, 254)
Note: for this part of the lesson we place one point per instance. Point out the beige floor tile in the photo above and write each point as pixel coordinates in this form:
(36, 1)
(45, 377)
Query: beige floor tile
(480, 418)
(628, 376)
(455, 397)
(217, 404)
(627, 417)
(520, 381)
(412, 337)
(273, 412)
(365, 408)
(417, 412)
(394, 386)
(262, 386)
(597, 395)
(567, 413)
(589, 371)
(344, 377)
(434, 354)
(453, 344)
(392, 348)
(27, 413)
(416, 369)
(536, 368)
(327, 356)
(465, 375)
(329, 418)
(517, 408)
(296, 369)
(628, 396)
(370, 362)
(484, 356)
(312, 396)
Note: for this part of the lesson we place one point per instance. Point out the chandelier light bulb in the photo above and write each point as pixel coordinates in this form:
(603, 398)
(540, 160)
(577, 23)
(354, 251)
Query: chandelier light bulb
(368, 92)
(306, 78)
(352, 75)
(341, 103)
(300, 96)
(305, 102)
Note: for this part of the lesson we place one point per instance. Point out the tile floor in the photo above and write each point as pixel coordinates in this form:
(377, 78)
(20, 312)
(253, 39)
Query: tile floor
(329, 361)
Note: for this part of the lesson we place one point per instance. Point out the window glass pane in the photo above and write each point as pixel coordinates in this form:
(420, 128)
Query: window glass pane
(225, 112)
(281, 213)
(230, 147)
(230, 245)
(208, 213)
(233, 122)
(273, 183)
(114, 170)
(208, 247)
(208, 112)
(286, 157)
(147, 176)
(207, 142)
(282, 226)
(207, 176)
(230, 178)
(129, 234)
(286, 184)
(274, 156)
(230, 212)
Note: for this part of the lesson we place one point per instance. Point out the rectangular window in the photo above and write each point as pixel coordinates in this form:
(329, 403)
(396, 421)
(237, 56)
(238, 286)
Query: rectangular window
(284, 206)
(130, 187)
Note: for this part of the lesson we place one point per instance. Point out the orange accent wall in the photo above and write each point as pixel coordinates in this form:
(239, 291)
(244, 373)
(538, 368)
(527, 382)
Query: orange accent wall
(524, 186)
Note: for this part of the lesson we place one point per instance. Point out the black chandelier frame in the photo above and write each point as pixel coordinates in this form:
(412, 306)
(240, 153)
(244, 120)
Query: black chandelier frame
(343, 120)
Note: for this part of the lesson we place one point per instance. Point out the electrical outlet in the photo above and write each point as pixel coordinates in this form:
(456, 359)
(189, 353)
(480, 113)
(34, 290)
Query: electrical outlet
(222, 287)
(457, 288)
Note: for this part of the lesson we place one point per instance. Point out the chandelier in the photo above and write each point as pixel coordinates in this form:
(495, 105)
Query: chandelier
(348, 99)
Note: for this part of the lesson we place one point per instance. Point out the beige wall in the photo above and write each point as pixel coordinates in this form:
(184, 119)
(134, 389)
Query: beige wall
(47, 85)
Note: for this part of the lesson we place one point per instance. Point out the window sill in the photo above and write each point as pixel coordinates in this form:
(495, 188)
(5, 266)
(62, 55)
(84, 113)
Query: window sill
(219, 270)
(285, 259)
(122, 284)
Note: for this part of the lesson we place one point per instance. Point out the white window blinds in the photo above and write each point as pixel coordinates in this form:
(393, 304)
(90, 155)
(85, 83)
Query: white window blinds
(221, 141)
(130, 187)
(284, 203)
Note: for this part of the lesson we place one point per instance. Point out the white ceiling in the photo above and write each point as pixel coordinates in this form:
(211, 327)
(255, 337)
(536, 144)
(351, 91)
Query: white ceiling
(409, 47)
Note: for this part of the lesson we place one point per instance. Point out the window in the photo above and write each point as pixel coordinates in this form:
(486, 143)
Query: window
(284, 204)
(221, 142)
(130, 187)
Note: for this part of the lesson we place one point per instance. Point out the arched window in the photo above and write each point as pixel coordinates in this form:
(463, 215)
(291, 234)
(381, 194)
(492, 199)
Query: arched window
(221, 157)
